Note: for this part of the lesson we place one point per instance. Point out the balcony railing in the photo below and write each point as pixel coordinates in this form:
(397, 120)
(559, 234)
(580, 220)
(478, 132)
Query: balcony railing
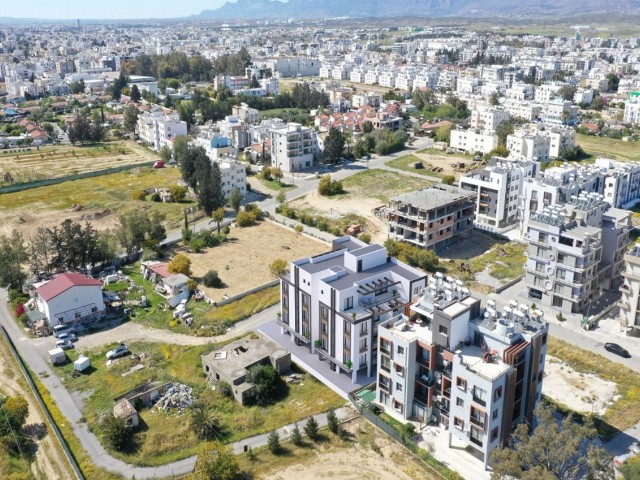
(478, 421)
(479, 401)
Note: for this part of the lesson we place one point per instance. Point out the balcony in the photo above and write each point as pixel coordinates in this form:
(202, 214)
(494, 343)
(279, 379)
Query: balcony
(385, 368)
(478, 421)
(475, 441)
(479, 401)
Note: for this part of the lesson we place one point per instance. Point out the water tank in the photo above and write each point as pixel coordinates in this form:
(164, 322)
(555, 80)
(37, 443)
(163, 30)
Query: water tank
(502, 326)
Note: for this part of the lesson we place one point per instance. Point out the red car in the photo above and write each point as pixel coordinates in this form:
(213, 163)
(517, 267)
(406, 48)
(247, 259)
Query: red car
(158, 164)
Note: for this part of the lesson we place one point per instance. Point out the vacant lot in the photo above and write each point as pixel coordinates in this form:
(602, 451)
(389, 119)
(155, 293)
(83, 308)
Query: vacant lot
(435, 163)
(379, 184)
(609, 147)
(54, 162)
(368, 454)
(97, 199)
(167, 436)
(581, 392)
(243, 261)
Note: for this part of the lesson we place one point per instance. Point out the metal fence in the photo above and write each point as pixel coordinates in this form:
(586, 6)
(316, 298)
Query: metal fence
(36, 393)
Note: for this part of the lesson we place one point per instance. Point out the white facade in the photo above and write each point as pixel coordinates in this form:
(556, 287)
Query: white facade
(473, 141)
(158, 129)
(293, 147)
(70, 303)
(632, 110)
(234, 176)
(487, 119)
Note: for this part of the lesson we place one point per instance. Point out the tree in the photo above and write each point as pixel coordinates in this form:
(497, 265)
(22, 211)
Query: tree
(499, 151)
(254, 82)
(554, 450)
(48, 128)
(13, 253)
(443, 133)
(311, 428)
(332, 421)
(180, 148)
(448, 179)
(180, 264)
(367, 127)
(139, 228)
(276, 173)
(77, 87)
(187, 111)
(13, 414)
(631, 469)
(296, 436)
(281, 198)
(278, 267)
(131, 117)
(135, 94)
(203, 423)
(365, 237)
(567, 92)
(216, 462)
(117, 434)
(218, 216)
(165, 153)
(333, 146)
(328, 187)
(267, 382)
(273, 442)
(80, 129)
(178, 193)
(612, 82)
(18, 408)
(117, 86)
(212, 280)
(235, 200)
(494, 99)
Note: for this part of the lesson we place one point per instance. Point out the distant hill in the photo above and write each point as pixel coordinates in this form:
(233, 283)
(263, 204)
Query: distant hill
(384, 8)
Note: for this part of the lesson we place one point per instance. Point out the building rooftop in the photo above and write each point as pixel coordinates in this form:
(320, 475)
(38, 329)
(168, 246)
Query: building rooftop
(64, 282)
(514, 319)
(433, 197)
(477, 361)
(403, 328)
(441, 293)
(234, 359)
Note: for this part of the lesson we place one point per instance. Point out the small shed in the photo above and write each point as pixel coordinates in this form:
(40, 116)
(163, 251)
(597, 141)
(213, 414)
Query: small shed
(82, 363)
(57, 356)
(124, 409)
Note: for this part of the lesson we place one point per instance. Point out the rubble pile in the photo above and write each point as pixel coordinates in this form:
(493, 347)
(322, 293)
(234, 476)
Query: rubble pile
(178, 397)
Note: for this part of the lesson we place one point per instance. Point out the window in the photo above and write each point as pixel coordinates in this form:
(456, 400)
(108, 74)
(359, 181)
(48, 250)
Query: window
(324, 312)
(497, 394)
(461, 383)
(347, 328)
(479, 396)
(94, 309)
(346, 358)
(348, 303)
(364, 328)
(458, 423)
(398, 387)
(363, 344)
(443, 330)
(494, 415)
(476, 436)
(385, 364)
(399, 370)
(400, 350)
(494, 434)
(460, 402)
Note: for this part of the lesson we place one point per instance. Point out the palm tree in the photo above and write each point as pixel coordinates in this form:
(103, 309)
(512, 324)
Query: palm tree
(204, 424)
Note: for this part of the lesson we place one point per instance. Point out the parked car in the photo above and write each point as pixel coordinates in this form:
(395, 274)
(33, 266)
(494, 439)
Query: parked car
(71, 337)
(117, 352)
(617, 349)
(64, 344)
(620, 460)
(60, 329)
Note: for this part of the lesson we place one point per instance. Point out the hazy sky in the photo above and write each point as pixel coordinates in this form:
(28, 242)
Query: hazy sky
(97, 9)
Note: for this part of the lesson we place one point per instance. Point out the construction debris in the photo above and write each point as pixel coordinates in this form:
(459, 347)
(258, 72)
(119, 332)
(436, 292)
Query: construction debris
(178, 397)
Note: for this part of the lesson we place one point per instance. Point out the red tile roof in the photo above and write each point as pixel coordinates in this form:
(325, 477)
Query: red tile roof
(159, 268)
(64, 282)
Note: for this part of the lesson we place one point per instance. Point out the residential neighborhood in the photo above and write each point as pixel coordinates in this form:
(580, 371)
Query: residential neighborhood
(320, 240)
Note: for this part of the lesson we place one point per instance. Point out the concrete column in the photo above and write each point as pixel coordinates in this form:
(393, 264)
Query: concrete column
(450, 445)
(369, 365)
(354, 376)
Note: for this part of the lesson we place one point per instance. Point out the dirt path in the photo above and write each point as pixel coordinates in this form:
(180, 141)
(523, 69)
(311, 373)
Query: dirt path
(49, 463)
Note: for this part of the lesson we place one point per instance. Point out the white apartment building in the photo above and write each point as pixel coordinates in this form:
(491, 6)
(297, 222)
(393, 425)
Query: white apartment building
(371, 77)
(629, 303)
(334, 302)
(234, 176)
(632, 109)
(293, 147)
(246, 114)
(526, 145)
(559, 112)
(560, 138)
(522, 109)
(498, 188)
(357, 75)
(548, 91)
(159, 129)
(387, 79)
(476, 371)
(472, 140)
(487, 118)
(576, 251)
(468, 85)
(520, 91)
(447, 79)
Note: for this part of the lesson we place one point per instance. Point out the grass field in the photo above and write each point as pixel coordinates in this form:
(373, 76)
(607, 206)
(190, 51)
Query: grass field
(166, 437)
(609, 147)
(61, 161)
(405, 163)
(276, 185)
(50, 204)
(625, 412)
(380, 184)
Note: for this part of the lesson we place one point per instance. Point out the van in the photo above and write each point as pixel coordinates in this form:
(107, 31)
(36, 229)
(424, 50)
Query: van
(58, 329)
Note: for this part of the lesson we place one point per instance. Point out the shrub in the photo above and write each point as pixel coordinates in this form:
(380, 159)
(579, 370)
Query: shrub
(212, 280)
(296, 436)
(323, 226)
(365, 237)
(197, 245)
(266, 173)
(117, 434)
(278, 267)
(203, 423)
(180, 264)
(328, 187)
(224, 388)
(226, 230)
(178, 193)
(267, 382)
(448, 179)
(332, 421)
(138, 195)
(187, 234)
(273, 442)
(311, 428)
(156, 197)
(246, 219)
(298, 228)
(253, 208)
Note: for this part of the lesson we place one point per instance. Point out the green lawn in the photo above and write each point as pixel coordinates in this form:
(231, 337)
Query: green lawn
(380, 184)
(166, 437)
(609, 147)
(625, 412)
(405, 163)
(276, 185)
(208, 319)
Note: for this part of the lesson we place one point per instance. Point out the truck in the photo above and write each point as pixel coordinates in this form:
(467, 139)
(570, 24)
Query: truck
(57, 356)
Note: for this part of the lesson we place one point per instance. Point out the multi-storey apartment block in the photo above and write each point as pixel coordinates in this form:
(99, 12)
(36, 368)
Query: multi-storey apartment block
(576, 251)
(472, 140)
(293, 147)
(632, 108)
(533, 142)
(477, 372)
(158, 129)
(630, 301)
(488, 118)
(498, 188)
(432, 216)
(334, 302)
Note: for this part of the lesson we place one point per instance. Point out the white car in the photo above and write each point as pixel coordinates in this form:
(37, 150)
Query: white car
(117, 352)
(64, 344)
(70, 337)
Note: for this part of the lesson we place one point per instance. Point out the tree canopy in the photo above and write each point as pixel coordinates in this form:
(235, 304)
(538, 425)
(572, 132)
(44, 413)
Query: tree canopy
(333, 146)
(216, 462)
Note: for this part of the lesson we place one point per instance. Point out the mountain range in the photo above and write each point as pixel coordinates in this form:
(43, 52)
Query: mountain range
(257, 9)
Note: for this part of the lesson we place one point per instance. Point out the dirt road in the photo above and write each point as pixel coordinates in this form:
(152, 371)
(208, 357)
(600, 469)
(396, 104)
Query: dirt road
(50, 462)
